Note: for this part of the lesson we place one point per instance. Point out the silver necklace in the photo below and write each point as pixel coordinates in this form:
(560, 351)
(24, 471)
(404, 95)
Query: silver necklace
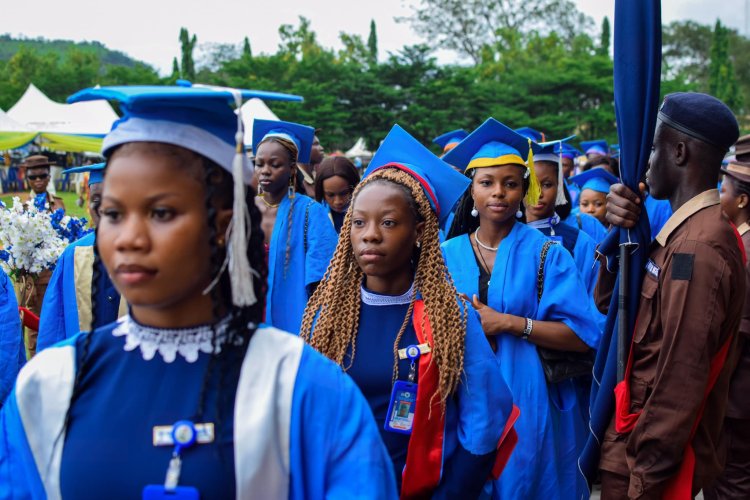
(486, 247)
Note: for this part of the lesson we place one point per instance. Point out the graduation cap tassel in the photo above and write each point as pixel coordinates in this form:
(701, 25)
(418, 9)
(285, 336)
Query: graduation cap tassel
(560, 200)
(535, 191)
(240, 271)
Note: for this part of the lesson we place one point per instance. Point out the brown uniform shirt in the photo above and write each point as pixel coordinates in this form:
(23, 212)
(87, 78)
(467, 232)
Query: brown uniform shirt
(739, 389)
(54, 202)
(691, 302)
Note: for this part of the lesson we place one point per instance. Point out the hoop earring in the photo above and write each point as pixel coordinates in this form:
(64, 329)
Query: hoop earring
(474, 211)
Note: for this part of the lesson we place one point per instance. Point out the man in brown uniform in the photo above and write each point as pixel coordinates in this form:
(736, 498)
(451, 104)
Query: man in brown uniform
(691, 304)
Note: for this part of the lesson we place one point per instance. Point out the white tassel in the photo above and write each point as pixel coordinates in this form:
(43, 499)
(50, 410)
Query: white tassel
(560, 200)
(240, 271)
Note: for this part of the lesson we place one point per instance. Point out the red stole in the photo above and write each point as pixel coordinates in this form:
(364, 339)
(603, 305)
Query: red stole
(424, 458)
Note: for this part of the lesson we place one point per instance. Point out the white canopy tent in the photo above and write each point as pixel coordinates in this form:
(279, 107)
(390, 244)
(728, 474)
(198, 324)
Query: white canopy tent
(359, 150)
(252, 109)
(40, 113)
(8, 124)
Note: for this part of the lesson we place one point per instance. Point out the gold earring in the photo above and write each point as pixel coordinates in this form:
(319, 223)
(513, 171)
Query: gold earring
(220, 242)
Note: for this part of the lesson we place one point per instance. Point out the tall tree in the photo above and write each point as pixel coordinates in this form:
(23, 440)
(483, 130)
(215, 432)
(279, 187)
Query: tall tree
(247, 52)
(722, 82)
(603, 49)
(187, 46)
(469, 26)
(372, 42)
(175, 69)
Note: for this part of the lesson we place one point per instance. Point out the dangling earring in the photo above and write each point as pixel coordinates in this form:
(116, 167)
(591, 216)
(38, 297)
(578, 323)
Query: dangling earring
(519, 214)
(291, 187)
(260, 190)
(419, 244)
(474, 211)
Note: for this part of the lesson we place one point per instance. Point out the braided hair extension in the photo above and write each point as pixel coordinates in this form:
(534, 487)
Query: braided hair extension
(335, 306)
(464, 222)
(291, 149)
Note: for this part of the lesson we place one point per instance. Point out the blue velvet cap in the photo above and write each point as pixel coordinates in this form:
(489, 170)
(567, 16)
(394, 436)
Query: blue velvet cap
(532, 134)
(489, 142)
(96, 172)
(449, 140)
(301, 135)
(701, 116)
(596, 179)
(443, 185)
(598, 147)
(199, 118)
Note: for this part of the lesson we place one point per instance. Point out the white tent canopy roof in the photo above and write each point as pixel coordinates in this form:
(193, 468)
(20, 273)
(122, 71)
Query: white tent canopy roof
(8, 124)
(359, 149)
(40, 113)
(252, 109)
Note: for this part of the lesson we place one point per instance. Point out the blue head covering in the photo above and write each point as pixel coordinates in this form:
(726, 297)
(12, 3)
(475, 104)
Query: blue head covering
(440, 182)
(596, 179)
(301, 135)
(493, 144)
(532, 134)
(96, 172)
(598, 147)
(201, 119)
(450, 140)
(701, 116)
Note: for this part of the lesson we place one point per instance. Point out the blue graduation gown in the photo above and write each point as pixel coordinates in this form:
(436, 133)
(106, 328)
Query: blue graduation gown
(475, 417)
(12, 355)
(659, 212)
(551, 427)
(588, 224)
(66, 309)
(297, 426)
(288, 282)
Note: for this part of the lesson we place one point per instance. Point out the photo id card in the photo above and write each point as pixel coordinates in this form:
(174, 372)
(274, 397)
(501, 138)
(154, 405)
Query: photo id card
(400, 416)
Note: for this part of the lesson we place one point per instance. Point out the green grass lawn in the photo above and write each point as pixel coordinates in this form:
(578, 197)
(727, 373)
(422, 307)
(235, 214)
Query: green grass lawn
(68, 198)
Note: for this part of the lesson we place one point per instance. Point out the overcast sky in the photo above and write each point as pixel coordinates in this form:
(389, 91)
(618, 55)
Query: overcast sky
(148, 29)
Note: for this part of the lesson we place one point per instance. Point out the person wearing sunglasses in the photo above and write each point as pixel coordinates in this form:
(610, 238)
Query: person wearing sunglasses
(38, 175)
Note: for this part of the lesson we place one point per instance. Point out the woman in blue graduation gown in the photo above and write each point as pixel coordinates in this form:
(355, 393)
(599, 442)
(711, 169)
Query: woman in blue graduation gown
(66, 309)
(299, 236)
(334, 184)
(387, 294)
(12, 356)
(255, 411)
(495, 260)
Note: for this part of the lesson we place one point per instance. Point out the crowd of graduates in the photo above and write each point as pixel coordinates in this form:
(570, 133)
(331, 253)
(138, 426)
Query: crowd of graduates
(266, 321)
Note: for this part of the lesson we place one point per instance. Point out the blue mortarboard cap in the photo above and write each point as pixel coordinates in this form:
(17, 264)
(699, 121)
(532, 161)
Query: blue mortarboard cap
(596, 179)
(440, 182)
(570, 152)
(532, 134)
(301, 135)
(491, 144)
(450, 140)
(598, 147)
(701, 116)
(199, 118)
(96, 172)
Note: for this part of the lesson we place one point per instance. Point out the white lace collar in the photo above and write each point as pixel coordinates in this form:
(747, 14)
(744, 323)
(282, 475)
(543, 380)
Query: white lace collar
(187, 342)
(375, 299)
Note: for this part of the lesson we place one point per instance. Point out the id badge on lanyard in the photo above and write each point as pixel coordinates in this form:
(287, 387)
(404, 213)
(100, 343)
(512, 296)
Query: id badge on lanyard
(400, 416)
(184, 435)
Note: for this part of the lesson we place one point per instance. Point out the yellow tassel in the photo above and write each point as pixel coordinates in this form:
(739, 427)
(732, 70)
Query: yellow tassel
(535, 190)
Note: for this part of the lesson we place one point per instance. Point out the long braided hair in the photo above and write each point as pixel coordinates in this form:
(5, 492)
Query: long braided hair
(242, 321)
(295, 181)
(335, 306)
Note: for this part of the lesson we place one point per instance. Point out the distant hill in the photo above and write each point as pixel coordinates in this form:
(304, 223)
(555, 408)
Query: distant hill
(10, 45)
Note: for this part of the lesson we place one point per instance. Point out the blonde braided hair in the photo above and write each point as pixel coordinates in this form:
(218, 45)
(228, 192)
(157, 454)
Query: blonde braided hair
(335, 306)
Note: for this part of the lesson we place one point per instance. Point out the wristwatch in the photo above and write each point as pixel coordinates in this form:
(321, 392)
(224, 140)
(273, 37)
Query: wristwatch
(527, 331)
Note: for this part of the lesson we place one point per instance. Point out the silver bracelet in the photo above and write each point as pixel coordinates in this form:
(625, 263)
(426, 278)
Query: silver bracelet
(527, 331)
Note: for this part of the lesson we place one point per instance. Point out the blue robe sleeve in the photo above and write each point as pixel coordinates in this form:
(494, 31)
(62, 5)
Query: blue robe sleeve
(19, 477)
(57, 301)
(484, 405)
(12, 354)
(565, 299)
(336, 449)
(321, 243)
